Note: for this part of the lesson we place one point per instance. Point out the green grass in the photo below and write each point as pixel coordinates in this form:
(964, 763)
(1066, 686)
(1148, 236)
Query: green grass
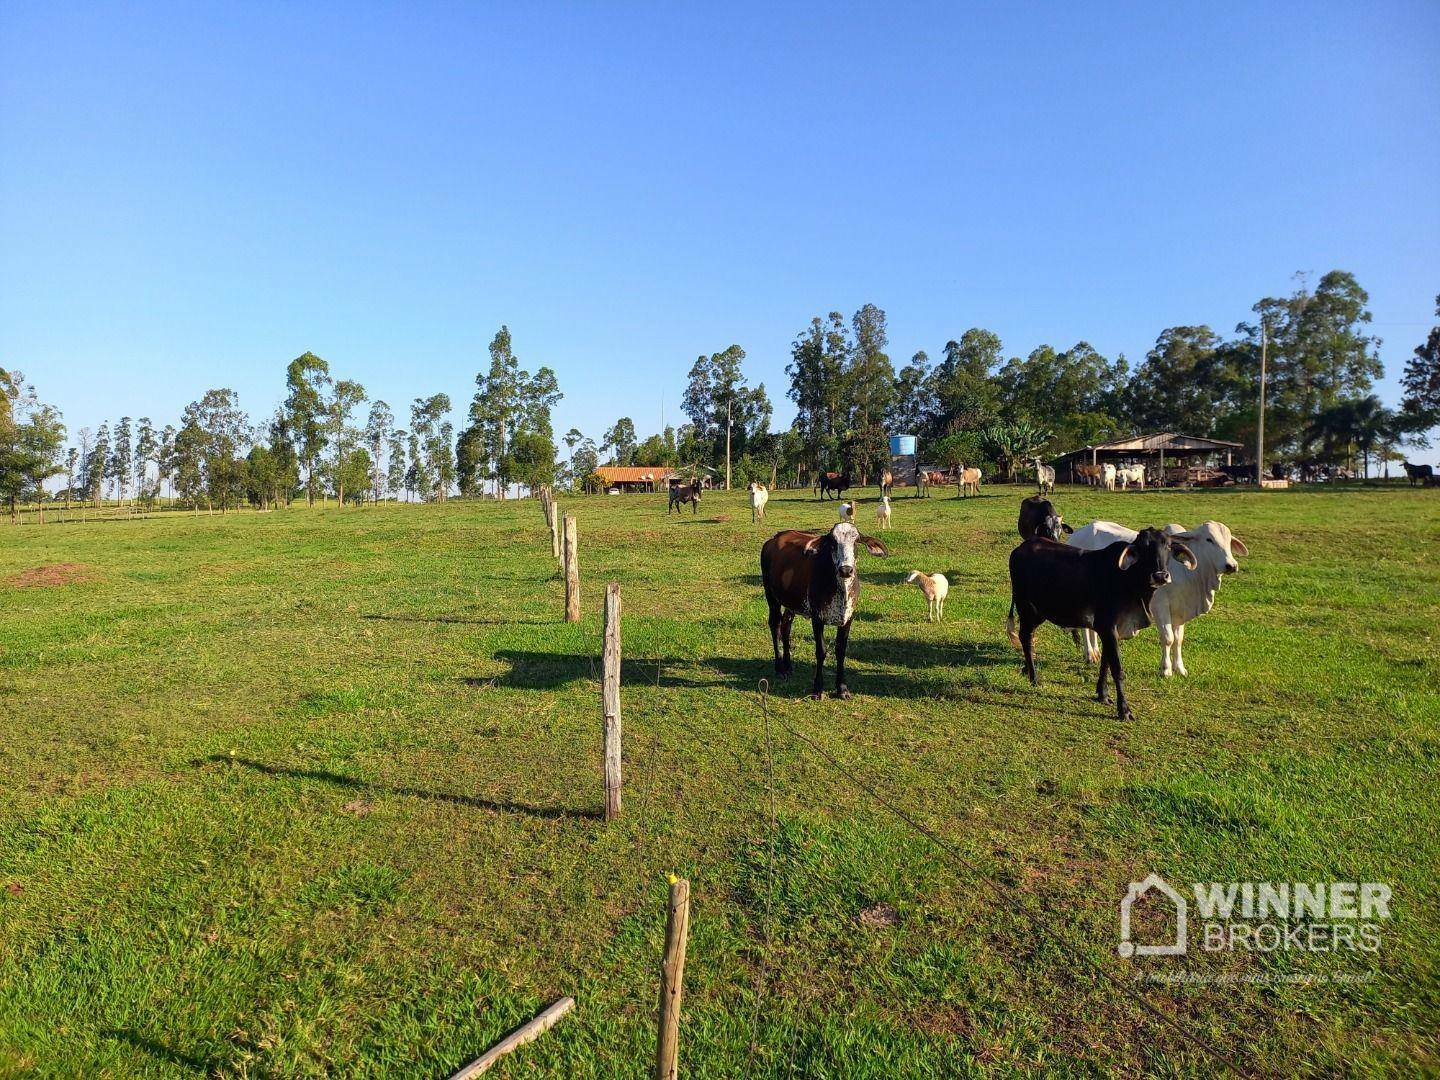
(316, 792)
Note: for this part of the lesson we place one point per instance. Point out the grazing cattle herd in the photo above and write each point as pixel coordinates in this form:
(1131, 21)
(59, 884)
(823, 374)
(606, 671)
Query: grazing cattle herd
(1105, 582)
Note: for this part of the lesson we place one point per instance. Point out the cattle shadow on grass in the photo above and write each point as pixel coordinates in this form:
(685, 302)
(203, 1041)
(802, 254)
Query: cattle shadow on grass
(352, 783)
(919, 661)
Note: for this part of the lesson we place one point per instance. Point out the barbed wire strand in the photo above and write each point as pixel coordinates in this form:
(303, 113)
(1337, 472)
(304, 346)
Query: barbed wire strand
(1001, 893)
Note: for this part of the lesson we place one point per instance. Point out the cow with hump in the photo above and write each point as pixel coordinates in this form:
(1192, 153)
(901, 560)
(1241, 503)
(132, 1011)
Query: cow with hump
(1108, 591)
(809, 574)
(1191, 591)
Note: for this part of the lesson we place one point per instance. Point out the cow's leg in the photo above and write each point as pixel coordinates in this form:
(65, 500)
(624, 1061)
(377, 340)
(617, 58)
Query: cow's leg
(1027, 645)
(787, 620)
(842, 639)
(1179, 646)
(1110, 658)
(775, 620)
(818, 629)
(1168, 642)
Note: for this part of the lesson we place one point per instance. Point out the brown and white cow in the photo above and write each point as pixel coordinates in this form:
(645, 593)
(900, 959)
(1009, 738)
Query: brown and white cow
(808, 574)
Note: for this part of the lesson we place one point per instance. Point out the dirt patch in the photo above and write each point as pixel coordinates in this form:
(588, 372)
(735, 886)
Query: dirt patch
(42, 577)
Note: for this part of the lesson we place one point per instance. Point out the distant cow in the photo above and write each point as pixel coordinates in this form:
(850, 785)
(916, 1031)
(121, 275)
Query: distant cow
(1038, 517)
(1044, 477)
(1420, 473)
(882, 512)
(1107, 477)
(1108, 591)
(680, 494)
(1131, 474)
(969, 481)
(887, 482)
(834, 481)
(1089, 474)
(806, 574)
(758, 498)
(1191, 592)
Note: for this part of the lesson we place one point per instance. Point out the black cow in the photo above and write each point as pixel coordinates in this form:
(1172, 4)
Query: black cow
(1107, 591)
(1038, 517)
(1422, 473)
(814, 575)
(680, 494)
(834, 481)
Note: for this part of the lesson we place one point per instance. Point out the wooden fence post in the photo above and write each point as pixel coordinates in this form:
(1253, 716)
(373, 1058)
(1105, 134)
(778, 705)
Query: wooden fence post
(672, 980)
(612, 701)
(552, 518)
(525, 1033)
(572, 571)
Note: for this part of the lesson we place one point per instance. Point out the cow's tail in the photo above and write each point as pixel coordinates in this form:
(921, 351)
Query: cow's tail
(1010, 625)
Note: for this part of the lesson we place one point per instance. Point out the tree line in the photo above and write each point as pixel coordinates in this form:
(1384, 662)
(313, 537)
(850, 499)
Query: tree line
(972, 406)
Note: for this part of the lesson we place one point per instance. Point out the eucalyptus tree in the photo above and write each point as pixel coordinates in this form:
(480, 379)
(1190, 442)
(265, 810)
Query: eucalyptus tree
(395, 461)
(725, 412)
(869, 391)
(95, 468)
(345, 396)
(620, 442)
(427, 456)
(379, 431)
(118, 467)
(72, 457)
(224, 435)
(509, 401)
(816, 370)
(306, 378)
(165, 457)
(146, 452)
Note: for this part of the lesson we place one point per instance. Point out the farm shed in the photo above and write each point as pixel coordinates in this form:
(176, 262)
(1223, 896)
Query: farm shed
(1165, 450)
(635, 477)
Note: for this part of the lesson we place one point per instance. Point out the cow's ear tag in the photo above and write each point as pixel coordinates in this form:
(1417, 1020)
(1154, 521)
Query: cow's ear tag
(1184, 554)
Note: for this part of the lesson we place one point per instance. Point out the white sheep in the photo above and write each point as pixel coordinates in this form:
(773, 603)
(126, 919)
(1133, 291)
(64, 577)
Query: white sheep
(935, 587)
(883, 512)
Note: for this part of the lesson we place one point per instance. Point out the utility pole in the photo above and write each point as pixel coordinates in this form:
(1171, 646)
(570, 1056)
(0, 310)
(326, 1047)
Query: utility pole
(728, 402)
(1260, 430)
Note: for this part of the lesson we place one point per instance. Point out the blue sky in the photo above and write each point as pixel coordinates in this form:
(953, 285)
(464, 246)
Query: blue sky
(192, 195)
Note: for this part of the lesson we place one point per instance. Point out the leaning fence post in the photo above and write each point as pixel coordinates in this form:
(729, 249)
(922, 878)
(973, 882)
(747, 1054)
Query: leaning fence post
(612, 701)
(552, 518)
(672, 980)
(572, 571)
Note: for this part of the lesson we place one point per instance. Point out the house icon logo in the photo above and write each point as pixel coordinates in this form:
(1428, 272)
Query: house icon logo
(1138, 889)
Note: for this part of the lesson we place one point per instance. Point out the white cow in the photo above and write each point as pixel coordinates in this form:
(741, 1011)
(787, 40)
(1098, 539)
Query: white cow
(882, 512)
(1107, 476)
(1190, 593)
(758, 498)
(1131, 474)
(1044, 477)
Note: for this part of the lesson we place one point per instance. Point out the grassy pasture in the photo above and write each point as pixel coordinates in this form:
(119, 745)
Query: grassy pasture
(316, 792)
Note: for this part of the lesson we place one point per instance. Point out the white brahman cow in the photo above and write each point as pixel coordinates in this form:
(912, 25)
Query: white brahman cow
(1131, 474)
(758, 498)
(1107, 476)
(1190, 593)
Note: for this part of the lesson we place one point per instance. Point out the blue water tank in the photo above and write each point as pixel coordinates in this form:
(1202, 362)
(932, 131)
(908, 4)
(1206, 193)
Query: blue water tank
(902, 445)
